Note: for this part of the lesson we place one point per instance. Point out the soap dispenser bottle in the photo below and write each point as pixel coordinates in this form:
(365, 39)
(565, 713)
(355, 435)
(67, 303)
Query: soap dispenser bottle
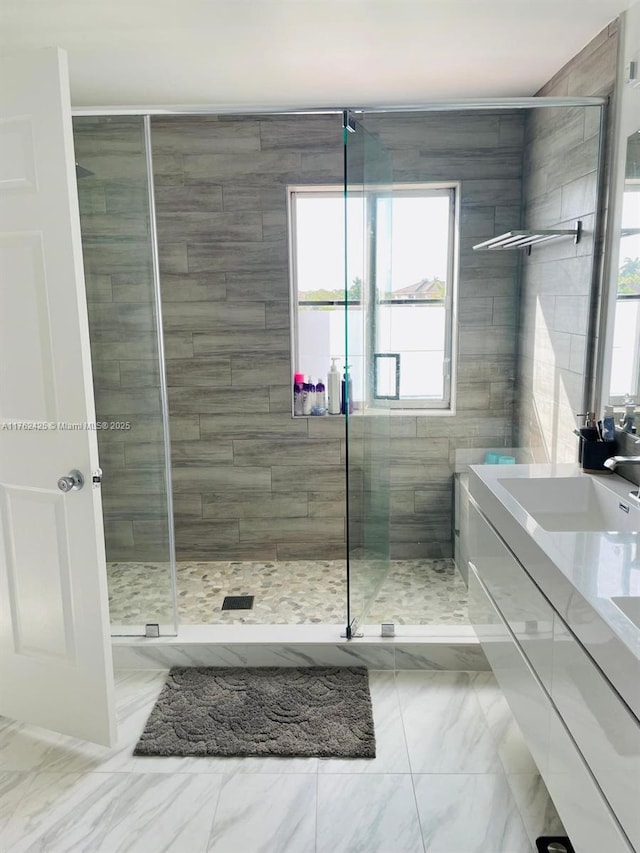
(333, 389)
(346, 399)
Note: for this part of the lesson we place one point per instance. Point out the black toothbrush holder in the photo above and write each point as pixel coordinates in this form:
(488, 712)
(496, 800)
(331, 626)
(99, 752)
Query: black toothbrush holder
(592, 453)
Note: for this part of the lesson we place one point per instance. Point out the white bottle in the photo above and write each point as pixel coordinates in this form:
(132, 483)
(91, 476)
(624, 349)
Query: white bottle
(333, 389)
(628, 422)
(608, 424)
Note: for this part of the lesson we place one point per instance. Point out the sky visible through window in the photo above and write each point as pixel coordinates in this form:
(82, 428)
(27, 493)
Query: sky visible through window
(419, 239)
(418, 228)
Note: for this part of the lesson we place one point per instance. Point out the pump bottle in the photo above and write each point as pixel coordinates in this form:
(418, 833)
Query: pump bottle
(333, 389)
(346, 399)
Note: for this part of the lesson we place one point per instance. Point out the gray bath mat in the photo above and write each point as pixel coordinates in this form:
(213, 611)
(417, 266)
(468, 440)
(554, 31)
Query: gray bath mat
(234, 711)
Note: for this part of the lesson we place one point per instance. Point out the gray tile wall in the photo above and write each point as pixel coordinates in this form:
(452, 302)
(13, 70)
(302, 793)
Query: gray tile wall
(249, 481)
(558, 280)
(117, 258)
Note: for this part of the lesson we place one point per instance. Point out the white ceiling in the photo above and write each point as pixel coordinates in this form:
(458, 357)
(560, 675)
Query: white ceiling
(242, 53)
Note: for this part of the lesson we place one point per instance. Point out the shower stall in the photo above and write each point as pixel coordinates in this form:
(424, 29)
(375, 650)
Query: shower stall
(119, 244)
(213, 490)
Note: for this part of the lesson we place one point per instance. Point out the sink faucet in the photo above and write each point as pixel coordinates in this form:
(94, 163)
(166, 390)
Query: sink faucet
(614, 461)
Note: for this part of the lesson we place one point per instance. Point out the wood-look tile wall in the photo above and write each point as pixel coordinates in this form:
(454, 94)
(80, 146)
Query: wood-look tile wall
(559, 280)
(249, 481)
(114, 214)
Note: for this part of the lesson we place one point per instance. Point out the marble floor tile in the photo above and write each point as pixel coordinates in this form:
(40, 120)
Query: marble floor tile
(508, 738)
(445, 729)
(249, 765)
(474, 813)
(63, 813)
(31, 748)
(172, 813)
(391, 749)
(12, 786)
(265, 813)
(536, 807)
(121, 759)
(62, 795)
(360, 813)
(137, 690)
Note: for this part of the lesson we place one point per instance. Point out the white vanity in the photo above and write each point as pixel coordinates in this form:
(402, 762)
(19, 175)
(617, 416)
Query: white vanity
(554, 597)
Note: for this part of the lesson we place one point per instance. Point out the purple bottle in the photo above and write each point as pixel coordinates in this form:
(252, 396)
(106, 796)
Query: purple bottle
(321, 397)
(308, 397)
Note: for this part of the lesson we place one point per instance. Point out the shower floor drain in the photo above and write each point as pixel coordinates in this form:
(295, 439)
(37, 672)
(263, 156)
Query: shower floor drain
(238, 602)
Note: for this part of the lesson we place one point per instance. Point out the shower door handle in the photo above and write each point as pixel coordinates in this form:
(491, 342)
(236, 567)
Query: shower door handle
(72, 483)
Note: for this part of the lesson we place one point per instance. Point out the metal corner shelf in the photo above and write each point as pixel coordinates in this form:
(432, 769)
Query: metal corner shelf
(525, 239)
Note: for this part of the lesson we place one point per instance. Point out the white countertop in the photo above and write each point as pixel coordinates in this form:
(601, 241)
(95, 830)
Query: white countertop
(578, 572)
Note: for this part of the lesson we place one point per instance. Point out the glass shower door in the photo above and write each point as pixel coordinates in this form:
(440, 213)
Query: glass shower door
(369, 375)
(125, 330)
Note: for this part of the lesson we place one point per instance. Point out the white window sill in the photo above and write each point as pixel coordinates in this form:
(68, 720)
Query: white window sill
(394, 413)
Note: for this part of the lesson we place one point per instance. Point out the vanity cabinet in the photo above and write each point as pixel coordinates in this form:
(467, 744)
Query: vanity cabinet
(527, 613)
(604, 729)
(461, 524)
(582, 736)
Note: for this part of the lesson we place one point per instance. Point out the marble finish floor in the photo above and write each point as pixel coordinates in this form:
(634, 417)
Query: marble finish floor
(414, 592)
(452, 775)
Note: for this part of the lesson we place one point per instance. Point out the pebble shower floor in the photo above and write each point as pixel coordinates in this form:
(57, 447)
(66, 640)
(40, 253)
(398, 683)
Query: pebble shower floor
(414, 592)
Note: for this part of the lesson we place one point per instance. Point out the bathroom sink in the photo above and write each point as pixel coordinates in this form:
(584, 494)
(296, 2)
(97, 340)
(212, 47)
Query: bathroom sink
(630, 606)
(573, 504)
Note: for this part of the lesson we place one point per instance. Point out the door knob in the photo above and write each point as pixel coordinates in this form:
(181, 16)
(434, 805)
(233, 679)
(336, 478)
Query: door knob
(72, 483)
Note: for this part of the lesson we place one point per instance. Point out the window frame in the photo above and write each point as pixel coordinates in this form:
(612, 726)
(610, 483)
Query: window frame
(445, 405)
(620, 400)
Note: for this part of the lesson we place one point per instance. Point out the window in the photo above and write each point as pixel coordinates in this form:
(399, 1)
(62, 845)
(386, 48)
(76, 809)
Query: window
(625, 365)
(401, 291)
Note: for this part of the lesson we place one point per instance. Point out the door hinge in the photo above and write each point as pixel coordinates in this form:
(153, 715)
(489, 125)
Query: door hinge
(348, 121)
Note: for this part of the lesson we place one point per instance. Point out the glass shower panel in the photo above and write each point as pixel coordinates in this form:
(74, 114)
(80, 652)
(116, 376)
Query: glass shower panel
(367, 192)
(118, 243)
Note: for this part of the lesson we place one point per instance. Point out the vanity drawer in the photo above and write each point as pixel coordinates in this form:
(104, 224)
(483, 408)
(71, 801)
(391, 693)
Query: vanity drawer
(605, 730)
(525, 610)
(582, 808)
(527, 700)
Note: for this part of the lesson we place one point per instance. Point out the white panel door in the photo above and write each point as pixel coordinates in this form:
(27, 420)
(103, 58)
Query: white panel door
(55, 652)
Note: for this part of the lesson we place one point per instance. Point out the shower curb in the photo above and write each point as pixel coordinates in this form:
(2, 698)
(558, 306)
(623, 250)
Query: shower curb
(449, 648)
